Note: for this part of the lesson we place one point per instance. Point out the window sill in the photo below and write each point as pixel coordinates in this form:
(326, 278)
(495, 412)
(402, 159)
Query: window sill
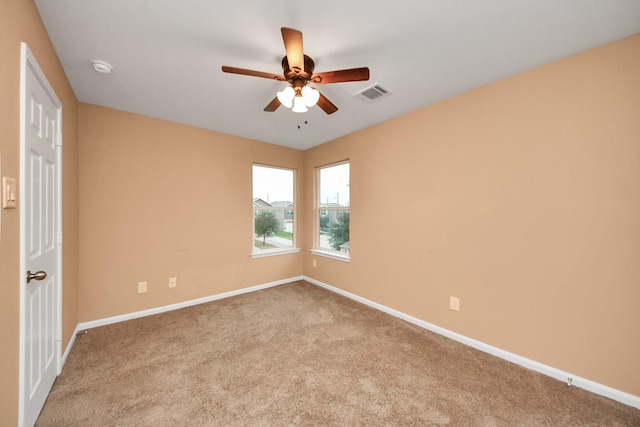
(274, 252)
(331, 254)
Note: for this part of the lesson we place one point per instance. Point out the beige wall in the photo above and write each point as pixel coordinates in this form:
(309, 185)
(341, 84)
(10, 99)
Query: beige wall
(522, 198)
(20, 22)
(160, 200)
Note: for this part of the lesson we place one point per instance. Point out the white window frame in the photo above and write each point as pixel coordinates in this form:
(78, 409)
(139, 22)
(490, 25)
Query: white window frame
(317, 250)
(261, 253)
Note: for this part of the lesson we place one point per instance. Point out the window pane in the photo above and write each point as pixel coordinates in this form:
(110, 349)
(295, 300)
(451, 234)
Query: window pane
(333, 209)
(334, 231)
(273, 207)
(334, 185)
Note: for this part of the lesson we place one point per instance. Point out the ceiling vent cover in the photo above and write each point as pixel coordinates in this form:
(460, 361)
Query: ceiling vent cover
(373, 93)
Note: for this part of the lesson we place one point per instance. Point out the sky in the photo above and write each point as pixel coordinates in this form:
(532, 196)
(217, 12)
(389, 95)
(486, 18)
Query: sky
(334, 184)
(274, 184)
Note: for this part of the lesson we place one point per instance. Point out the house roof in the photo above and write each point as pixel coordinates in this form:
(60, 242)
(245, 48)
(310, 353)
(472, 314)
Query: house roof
(282, 204)
(259, 202)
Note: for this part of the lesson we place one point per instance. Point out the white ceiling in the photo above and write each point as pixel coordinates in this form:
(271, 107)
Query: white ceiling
(167, 54)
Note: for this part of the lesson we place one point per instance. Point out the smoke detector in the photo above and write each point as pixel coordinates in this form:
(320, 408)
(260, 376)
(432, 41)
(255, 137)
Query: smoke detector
(373, 93)
(102, 67)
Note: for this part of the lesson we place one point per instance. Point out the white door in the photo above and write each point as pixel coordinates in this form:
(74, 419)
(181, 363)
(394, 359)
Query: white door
(40, 228)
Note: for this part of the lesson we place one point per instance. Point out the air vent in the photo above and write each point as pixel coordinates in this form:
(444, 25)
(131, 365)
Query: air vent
(373, 93)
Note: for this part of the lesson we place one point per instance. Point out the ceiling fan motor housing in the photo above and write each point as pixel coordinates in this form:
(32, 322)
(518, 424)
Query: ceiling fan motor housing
(297, 74)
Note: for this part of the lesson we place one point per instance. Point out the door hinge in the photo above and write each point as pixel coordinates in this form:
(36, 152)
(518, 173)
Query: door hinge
(59, 334)
(59, 237)
(59, 139)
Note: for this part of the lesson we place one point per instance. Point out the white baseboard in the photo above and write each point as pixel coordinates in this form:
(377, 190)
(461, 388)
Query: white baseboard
(157, 310)
(65, 355)
(574, 380)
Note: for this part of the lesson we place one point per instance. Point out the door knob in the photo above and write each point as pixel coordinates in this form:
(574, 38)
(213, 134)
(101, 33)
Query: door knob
(40, 275)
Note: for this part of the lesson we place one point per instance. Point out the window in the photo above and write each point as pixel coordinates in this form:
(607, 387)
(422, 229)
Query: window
(273, 211)
(333, 211)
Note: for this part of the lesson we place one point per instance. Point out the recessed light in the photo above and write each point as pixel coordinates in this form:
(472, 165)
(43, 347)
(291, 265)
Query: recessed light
(102, 67)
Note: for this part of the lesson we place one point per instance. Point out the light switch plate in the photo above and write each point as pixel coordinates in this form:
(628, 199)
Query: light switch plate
(9, 193)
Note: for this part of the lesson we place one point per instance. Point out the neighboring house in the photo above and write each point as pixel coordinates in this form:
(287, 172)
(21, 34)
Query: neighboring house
(284, 216)
(332, 213)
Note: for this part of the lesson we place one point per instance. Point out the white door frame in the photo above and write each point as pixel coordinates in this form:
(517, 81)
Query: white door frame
(27, 62)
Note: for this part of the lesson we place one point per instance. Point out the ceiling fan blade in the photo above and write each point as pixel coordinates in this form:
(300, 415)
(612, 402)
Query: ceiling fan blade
(326, 105)
(244, 72)
(293, 46)
(338, 76)
(273, 105)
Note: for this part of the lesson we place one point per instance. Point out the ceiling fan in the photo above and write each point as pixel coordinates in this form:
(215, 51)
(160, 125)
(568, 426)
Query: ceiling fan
(298, 72)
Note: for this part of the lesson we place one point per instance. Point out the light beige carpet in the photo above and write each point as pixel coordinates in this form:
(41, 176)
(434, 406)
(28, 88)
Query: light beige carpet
(297, 354)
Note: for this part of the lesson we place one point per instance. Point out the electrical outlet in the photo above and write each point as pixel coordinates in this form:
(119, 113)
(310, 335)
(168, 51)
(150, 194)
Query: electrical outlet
(314, 263)
(173, 282)
(454, 303)
(142, 287)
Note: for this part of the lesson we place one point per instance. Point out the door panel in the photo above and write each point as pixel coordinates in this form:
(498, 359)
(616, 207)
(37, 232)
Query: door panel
(41, 249)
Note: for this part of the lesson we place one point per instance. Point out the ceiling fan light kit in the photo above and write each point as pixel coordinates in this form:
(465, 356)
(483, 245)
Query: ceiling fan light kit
(310, 96)
(286, 95)
(298, 100)
(299, 105)
(298, 72)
